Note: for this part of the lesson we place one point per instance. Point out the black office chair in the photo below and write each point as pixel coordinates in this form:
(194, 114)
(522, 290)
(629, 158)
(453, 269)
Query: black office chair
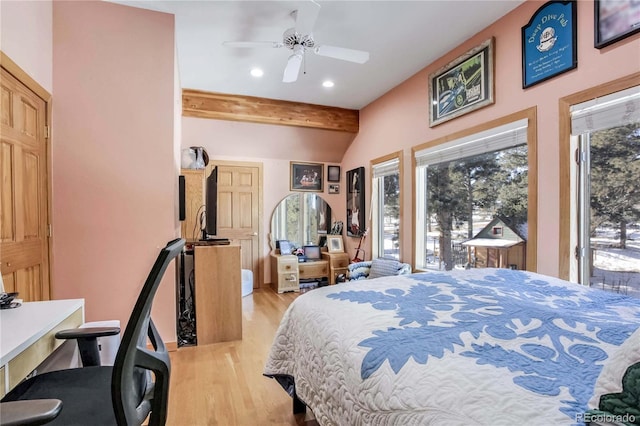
(85, 392)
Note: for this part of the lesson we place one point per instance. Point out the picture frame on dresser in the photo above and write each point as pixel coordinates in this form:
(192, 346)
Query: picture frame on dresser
(335, 244)
(285, 246)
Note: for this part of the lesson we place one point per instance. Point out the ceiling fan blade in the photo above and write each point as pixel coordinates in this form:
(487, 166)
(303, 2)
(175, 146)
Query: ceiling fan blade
(351, 55)
(251, 44)
(306, 16)
(292, 69)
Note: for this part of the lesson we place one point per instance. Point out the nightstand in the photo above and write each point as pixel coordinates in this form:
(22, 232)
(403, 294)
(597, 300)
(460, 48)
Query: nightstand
(338, 263)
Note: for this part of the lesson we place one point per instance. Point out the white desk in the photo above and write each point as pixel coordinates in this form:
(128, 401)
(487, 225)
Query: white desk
(27, 336)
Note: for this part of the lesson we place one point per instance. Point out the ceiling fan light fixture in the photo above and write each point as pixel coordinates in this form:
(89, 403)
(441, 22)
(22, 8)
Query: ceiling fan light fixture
(257, 72)
(328, 84)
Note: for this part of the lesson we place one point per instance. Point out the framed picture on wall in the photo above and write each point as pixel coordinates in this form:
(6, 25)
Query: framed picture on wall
(306, 177)
(463, 85)
(549, 42)
(615, 20)
(333, 173)
(355, 202)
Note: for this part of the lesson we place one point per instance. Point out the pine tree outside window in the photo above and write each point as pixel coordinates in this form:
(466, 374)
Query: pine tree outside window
(461, 185)
(606, 215)
(386, 201)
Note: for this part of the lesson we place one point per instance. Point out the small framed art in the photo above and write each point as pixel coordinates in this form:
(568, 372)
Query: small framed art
(333, 173)
(334, 188)
(335, 244)
(306, 177)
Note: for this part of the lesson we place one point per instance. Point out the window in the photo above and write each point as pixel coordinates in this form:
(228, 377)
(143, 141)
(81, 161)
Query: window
(463, 184)
(606, 208)
(386, 175)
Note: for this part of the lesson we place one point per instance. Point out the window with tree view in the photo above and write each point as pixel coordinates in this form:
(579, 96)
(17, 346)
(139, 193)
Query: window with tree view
(608, 208)
(386, 208)
(472, 201)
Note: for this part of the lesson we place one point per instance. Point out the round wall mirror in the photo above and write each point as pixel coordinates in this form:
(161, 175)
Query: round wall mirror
(302, 219)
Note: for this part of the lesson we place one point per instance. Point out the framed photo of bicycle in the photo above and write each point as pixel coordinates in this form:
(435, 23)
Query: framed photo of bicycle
(463, 85)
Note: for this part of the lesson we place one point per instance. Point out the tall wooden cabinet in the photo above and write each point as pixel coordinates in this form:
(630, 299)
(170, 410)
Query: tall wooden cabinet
(218, 293)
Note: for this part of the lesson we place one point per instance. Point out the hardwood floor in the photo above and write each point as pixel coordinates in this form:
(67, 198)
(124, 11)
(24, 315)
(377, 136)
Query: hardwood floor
(222, 383)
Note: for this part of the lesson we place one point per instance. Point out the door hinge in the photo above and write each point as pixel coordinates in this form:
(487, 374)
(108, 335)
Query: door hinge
(46, 131)
(49, 230)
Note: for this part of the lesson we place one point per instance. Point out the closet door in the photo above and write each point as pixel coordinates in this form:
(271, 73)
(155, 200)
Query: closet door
(24, 255)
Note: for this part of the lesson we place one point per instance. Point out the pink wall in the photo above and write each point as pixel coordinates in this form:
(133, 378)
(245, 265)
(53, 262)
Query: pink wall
(400, 117)
(273, 146)
(114, 162)
(26, 37)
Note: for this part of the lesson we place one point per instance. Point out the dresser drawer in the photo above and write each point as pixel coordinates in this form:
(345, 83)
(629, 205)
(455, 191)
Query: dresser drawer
(341, 262)
(288, 282)
(314, 269)
(287, 264)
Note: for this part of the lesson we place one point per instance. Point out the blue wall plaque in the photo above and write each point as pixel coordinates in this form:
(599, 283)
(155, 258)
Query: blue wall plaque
(549, 42)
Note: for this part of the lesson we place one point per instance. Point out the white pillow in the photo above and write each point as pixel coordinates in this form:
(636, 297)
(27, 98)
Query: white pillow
(381, 267)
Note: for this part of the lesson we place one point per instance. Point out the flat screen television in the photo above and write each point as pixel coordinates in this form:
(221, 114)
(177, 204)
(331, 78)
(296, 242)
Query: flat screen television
(211, 205)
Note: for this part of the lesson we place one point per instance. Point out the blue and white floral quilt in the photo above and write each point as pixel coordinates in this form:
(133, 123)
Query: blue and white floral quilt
(472, 347)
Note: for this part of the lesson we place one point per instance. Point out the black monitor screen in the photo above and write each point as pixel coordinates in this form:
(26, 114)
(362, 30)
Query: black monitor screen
(312, 252)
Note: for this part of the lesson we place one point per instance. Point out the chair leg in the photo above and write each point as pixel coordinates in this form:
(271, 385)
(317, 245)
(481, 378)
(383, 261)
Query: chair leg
(298, 406)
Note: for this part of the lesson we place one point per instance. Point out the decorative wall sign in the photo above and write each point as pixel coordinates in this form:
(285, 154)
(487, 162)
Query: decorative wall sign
(463, 85)
(615, 20)
(549, 43)
(355, 202)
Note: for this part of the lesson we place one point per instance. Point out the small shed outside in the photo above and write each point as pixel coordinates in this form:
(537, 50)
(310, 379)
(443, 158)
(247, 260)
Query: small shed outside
(498, 245)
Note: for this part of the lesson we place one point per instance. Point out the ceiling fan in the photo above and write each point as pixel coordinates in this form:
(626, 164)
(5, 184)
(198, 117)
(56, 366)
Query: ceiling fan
(300, 40)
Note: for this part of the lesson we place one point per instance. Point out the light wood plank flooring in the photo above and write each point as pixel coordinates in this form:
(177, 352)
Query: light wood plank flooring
(222, 383)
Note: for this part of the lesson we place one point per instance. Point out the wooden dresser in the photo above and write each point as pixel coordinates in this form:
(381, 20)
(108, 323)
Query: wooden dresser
(286, 272)
(338, 263)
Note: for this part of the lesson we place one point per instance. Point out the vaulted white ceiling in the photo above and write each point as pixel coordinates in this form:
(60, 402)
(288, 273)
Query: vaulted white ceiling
(402, 37)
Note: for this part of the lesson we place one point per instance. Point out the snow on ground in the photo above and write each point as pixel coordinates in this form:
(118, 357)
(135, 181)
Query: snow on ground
(617, 269)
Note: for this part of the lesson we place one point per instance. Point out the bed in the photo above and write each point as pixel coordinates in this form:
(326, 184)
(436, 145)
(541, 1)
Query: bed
(479, 346)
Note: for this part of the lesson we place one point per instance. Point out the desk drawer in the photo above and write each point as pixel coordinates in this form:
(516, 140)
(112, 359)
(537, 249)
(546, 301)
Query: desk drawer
(24, 363)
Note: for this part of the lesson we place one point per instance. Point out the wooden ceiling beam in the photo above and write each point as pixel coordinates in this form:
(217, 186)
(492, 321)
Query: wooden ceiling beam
(220, 106)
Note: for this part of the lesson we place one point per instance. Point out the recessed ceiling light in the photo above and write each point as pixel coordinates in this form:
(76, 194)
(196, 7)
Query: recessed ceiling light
(327, 83)
(257, 72)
